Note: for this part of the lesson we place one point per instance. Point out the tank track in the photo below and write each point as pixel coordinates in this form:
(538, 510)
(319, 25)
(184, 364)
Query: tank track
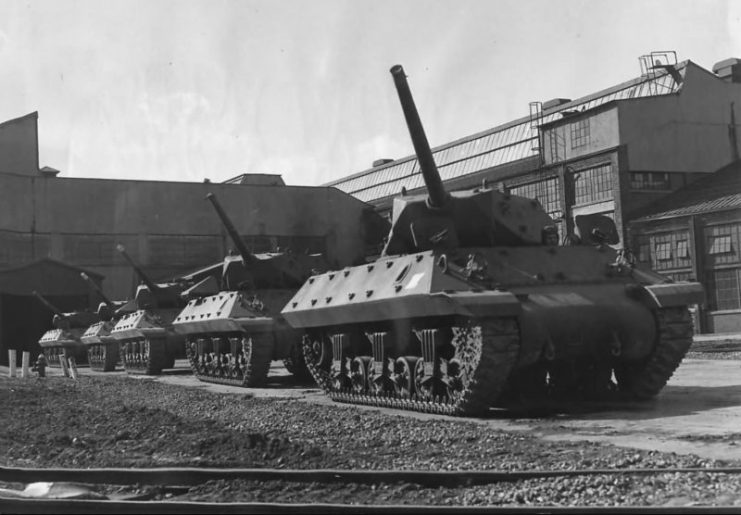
(144, 356)
(487, 350)
(645, 379)
(102, 357)
(53, 356)
(249, 368)
(295, 363)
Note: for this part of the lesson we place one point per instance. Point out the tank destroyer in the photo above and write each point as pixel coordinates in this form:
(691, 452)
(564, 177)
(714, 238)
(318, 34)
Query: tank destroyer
(63, 341)
(468, 307)
(102, 348)
(234, 329)
(147, 342)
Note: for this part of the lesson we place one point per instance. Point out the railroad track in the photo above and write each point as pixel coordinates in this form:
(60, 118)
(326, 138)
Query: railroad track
(181, 477)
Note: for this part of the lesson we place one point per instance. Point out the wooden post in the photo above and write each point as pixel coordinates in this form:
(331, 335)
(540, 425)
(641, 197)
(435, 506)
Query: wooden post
(11, 362)
(25, 372)
(72, 367)
(63, 362)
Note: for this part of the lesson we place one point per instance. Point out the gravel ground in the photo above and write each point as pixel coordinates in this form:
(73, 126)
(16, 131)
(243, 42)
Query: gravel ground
(104, 421)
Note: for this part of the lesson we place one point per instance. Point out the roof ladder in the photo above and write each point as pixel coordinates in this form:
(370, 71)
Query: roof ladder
(536, 120)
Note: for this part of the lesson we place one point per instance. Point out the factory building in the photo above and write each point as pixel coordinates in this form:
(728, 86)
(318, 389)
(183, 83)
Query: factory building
(615, 152)
(695, 234)
(55, 227)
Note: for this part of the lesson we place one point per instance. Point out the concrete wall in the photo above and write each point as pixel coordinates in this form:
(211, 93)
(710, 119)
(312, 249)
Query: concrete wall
(167, 226)
(685, 132)
(19, 152)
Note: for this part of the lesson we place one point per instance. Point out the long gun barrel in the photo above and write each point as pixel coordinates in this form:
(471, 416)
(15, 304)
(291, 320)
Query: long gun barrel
(437, 196)
(95, 286)
(247, 256)
(49, 305)
(146, 280)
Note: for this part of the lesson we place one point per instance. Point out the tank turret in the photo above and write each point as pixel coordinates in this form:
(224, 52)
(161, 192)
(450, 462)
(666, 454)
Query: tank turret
(73, 319)
(482, 217)
(151, 295)
(473, 303)
(107, 308)
(284, 269)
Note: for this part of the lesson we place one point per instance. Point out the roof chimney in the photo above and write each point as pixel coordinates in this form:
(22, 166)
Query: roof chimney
(48, 171)
(729, 70)
(381, 162)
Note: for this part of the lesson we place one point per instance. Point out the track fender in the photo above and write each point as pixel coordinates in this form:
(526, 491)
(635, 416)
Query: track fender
(488, 303)
(668, 295)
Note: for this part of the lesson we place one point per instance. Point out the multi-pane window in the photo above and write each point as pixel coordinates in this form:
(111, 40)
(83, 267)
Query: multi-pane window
(663, 251)
(725, 289)
(683, 249)
(593, 184)
(650, 181)
(720, 244)
(547, 192)
(579, 133)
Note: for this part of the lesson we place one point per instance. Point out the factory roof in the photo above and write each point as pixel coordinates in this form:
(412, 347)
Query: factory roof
(510, 142)
(718, 191)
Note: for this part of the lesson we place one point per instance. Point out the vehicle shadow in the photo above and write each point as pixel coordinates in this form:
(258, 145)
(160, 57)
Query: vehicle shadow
(673, 401)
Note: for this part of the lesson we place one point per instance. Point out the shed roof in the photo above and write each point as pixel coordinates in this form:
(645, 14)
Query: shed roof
(506, 143)
(718, 191)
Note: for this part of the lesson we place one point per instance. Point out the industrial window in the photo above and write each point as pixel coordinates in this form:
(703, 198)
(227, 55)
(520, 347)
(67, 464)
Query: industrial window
(720, 244)
(683, 249)
(650, 181)
(580, 133)
(546, 192)
(663, 251)
(593, 184)
(725, 289)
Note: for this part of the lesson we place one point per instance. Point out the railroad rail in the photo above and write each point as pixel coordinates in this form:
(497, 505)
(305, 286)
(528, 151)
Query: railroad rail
(176, 476)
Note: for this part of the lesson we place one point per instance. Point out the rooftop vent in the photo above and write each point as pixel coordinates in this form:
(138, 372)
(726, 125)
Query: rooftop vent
(257, 179)
(555, 102)
(381, 162)
(48, 171)
(728, 70)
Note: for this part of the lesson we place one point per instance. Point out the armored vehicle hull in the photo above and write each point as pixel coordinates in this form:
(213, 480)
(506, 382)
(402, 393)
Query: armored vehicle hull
(63, 343)
(102, 348)
(232, 337)
(147, 343)
(425, 336)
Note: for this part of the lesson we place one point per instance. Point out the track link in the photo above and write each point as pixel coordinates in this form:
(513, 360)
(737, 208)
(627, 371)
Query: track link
(487, 350)
(102, 357)
(144, 356)
(248, 368)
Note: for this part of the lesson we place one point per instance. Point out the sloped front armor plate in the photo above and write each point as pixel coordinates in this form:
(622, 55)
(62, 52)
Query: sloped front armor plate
(221, 313)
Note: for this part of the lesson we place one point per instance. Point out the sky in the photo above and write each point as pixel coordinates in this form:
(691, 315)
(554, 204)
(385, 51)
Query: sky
(192, 89)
